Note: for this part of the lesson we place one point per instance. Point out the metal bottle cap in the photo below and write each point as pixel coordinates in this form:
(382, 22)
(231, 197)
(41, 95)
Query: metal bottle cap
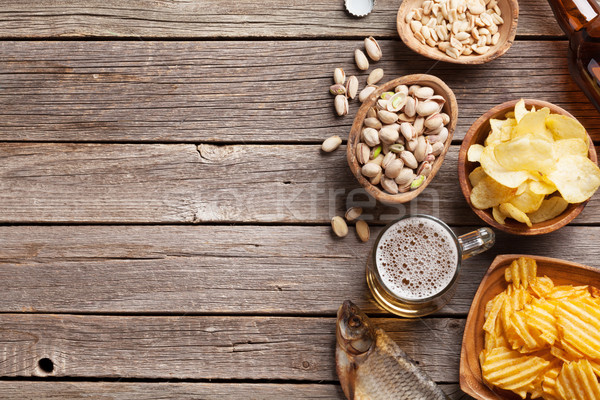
(359, 8)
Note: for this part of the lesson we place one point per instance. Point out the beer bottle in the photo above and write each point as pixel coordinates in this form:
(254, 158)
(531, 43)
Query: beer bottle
(580, 20)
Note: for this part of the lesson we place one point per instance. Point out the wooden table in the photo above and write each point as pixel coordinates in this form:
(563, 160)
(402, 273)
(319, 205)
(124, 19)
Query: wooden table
(165, 208)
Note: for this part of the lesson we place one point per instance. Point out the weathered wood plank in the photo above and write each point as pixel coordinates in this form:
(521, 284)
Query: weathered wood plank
(180, 183)
(240, 91)
(25, 390)
(188, 347)
(214, 18)
(221, 269)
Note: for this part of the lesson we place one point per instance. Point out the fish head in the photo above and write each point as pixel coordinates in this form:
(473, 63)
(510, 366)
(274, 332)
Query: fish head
(355, 332)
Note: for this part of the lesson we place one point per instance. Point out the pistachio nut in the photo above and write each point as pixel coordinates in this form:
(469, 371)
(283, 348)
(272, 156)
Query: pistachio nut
(339, 227)
(394, 168)
(405, 177)
(385, 148)
(370, 170)
(388, 135)
(339, 76)
(336, 89)
(387, 95)
(352, 87)
(402, 117)
(395, 126)
(341, 105)
(389, 185)
(411, 145)
(377, 160)
(382, 104)
(375, 152)
(440, 137)
(426, 108)
(424, 92)
(362, 231)
(361, 60)
(372, 122)
(362, 153)
(421, 149)
(419, 125)
(397, 148)
(396, 102)
(404, 188)
(430, 158)
(331, 143)
(434, 121)
(401, 89)
(375, 76)
(412, 89)
(419, 180)
(409, 159)
(353, 213)
(387, 159)
(371, 112)
(437, 148)
(376, 179)
(372, 48)
(407, 130)
(387, 117)
(366, 92)
(410, 107)
(370, 136)
(434, 131)
(424, 169)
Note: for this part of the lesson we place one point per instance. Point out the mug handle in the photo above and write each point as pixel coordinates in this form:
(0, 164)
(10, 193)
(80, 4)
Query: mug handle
(476, 242)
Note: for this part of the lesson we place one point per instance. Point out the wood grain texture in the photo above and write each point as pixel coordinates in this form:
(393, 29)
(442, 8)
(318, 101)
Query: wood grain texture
(219, 19)
(250, 92)
(188, 347)
(31, 390)
(299, 270)
(182, 183)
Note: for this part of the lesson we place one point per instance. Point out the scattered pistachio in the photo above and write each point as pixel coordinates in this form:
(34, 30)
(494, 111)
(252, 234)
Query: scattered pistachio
(372, 48)
(375, 76)
(417, 182)
(361, 60)
(341, 105)
(331, 143)
(352, 87)
(339, 226)
(353, 213)
(339, 76)
(336, 89)
(366, 92)
(362, 231)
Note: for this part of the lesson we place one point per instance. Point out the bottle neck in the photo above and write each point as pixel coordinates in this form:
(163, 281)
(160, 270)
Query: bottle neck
(574, 15)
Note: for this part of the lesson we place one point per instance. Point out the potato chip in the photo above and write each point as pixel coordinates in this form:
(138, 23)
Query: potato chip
(507, 130)
(511, 370)
(576, 178)
(476, 175)
(515, 213)
(574, 147)
(549, 383)
(500, 174)
(579, 326)
(495, 132)
(526, 153)
(498, 215)
(474, 152)
(563, 127)
(542, 186)
(541, 286)
(540, 315)
(534, 123)
(521, 272)
(489, 193)
(495, 307)
(528, 334)
(577, 381)
(520, 110)
(550, 208)
(527, 201)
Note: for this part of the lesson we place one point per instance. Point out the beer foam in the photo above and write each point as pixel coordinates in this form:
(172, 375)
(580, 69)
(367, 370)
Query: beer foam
(416, 258)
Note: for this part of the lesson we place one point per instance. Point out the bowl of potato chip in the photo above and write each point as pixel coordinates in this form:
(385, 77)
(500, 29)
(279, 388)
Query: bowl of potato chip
(533, 331)
(527, 167)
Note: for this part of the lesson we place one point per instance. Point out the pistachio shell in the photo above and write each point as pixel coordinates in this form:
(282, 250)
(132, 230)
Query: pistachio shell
(388, 135)
(407, 130)
(434, 121)
(372, 123)
(437, 148)
(387, 117)
(352, 87)
(426, 108)
(370, 136)
(336, 89)
(410, 107)
(341, 105)
(401, 89)
(421, 149)
(397, 102)
(424, 92)
(405, 176)
(339, 76)
(353, 213)
(394, 168)
(389, 185)
(365, 93)
(409, 159)
(375, 76)
(361, 60)
(362, 153)
(372, 48)
(362, 231)
(339, 226)
(331, 143)
(370, 170)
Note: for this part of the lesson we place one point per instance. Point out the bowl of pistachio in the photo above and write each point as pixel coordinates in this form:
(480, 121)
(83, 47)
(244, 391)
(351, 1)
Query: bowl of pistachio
(400, 136)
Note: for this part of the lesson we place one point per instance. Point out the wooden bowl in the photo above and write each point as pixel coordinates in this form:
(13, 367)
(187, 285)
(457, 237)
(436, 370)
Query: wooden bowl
(560, 271)
(450, 108)
(508, 30)
(477, 133)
